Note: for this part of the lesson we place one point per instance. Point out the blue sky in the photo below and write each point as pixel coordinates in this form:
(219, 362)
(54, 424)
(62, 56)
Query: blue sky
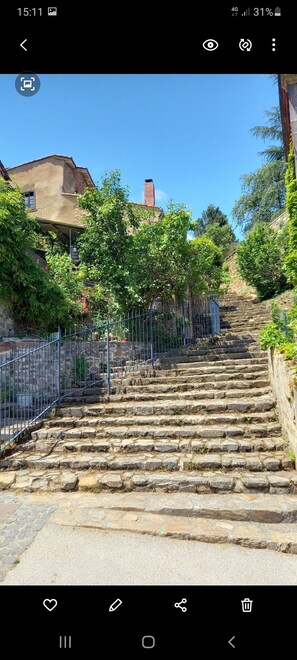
(189, 133)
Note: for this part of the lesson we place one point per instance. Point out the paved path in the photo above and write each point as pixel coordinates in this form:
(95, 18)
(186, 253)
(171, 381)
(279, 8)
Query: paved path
(80, 539)
(74, 556)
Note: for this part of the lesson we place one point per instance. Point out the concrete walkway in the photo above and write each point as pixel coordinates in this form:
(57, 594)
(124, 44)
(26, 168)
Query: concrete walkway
(72, 539)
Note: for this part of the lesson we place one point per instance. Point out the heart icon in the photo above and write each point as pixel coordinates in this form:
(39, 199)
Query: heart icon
(50, 604)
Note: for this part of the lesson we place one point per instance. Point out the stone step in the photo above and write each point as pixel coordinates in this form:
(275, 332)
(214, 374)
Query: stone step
(218, 376)
(262, 508)
(175, 408)
(215, 414)
(166, 445)
(244, 311)
(187, 392)
(180, 392)
(250, 335)
(230, 362)
(240, 320)
(240, 328)
(214, 357)
(97, 481)
(221, 346)
(44, 447)
(235, 318)
(217, 341)
(258, 462)
(210, 356)
(79, 429)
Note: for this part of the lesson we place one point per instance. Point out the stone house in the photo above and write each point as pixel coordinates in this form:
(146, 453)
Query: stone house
(51, 185)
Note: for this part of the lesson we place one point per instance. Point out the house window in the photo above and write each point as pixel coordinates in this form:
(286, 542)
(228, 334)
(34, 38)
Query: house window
(29, 199)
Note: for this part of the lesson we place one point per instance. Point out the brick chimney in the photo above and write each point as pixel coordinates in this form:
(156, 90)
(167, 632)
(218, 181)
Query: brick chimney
(149, 192)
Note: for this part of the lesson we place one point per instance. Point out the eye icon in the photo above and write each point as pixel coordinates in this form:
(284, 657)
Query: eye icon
(210, 44)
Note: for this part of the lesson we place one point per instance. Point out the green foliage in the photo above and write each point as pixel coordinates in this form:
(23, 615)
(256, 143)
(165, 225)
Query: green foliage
(272, 131)
(35, 299)
(17, 238)
(214, 224)
(158, 258)
(136, 262)
(289, 350)
(222, 236)
(211, 216)
(260, 261)
(271, 336)
(263, 191)
(281, 334)
(38, 301)
(6, 392)
(104, 246)
(80, 367)
(263, 195)
(291, 205)
(70, 280)
(205, 262)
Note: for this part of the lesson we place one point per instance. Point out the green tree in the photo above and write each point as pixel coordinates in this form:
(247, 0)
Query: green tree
(17, 238)
(272, 131)
(263, 191)
(204, 267)
(214, 224)
(33, 297)
(158, 257)
(134, 263)
(260, 260)
(166, 264)
(105, 244)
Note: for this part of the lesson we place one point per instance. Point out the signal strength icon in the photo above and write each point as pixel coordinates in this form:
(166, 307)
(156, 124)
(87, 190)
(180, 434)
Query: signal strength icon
(247, 12)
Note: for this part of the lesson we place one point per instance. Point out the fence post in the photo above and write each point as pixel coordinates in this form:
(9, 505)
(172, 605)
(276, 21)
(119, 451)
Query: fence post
(108, 359)
(59, 364)
(184, 323)
(151, 337)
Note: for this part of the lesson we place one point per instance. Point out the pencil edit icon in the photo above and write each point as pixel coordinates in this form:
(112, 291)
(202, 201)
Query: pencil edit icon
(114, 606)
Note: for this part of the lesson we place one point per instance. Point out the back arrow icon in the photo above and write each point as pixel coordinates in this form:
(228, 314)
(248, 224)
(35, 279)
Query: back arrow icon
(230, 642)
(22, 44)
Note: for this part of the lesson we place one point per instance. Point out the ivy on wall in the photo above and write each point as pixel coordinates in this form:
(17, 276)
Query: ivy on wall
(291, 206)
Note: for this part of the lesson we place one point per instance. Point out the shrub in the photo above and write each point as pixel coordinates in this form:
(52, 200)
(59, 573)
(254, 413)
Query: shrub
(260, 259)
(80, 367)
(281, 334)
(271, 336)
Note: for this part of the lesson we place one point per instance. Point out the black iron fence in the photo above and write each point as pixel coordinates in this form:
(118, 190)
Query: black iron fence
(38, 376)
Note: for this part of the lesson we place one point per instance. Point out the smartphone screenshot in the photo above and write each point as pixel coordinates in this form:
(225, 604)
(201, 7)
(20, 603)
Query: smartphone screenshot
(148, 330)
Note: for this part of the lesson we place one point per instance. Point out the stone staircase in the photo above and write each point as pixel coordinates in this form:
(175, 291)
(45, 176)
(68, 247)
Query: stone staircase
(204, 421)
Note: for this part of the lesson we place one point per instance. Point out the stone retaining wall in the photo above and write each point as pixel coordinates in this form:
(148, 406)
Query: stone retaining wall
(7, 324)
(285, 392)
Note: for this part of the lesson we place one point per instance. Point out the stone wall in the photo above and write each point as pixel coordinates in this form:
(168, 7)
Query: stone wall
(281, 376)
(7, 324)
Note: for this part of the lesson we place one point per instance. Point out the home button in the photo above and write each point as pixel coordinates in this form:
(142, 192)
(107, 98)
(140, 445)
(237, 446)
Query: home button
(148, 642)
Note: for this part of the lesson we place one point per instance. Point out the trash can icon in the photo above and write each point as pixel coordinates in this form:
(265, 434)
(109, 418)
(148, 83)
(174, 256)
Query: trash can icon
(246, 605)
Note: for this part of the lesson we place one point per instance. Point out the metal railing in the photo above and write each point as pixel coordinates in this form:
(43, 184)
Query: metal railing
(92, 356)
(29, 387)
